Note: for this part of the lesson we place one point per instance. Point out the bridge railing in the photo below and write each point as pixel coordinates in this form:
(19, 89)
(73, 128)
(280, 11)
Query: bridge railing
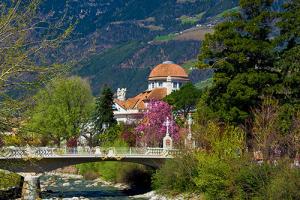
(85, 151)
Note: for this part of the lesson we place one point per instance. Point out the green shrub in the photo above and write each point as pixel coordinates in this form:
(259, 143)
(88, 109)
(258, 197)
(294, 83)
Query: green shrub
(12, 140)
(106, 170)
(285, 184)
(115, 172)
(215, 177)
(110, 136)
(252, 179)
(176, 175)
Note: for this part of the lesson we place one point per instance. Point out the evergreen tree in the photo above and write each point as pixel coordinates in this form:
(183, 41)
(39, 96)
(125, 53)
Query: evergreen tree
(289, 49)
(104, 115)
(241, 52)
(185, 99)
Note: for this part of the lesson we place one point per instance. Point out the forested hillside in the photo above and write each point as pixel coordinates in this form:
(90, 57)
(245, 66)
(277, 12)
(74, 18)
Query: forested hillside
(133, 36)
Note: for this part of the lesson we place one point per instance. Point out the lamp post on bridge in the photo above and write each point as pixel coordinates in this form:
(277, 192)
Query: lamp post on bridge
(167, 140)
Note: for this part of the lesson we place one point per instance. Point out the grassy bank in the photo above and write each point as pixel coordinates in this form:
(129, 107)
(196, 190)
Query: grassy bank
(134, 175)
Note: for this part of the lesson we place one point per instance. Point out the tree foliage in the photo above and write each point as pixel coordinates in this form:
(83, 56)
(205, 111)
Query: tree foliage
(104, 110)
(241, 52)
(289, 52)
(151, 130)
(255, 53)
(275, 130)
(185, 99)
(214, 177)
(23, 38)
(285, 184)
(61, 109)
(253, 104)
(177, 175)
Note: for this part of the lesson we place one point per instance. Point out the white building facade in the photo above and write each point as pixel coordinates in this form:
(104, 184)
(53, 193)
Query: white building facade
(162, 81)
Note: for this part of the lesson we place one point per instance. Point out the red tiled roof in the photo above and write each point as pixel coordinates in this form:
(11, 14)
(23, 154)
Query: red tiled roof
(138, 102)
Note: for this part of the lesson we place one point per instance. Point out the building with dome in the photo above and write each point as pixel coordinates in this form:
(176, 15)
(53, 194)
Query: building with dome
(163, 79)
(167, 75)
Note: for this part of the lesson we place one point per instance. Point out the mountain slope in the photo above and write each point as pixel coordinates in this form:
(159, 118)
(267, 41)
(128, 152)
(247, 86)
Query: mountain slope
(118, 42)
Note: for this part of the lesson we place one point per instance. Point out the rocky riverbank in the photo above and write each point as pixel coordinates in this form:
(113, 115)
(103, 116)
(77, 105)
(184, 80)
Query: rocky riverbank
(66, 186)
(71, 186)
(68, 183)
(155, 196)
(49, 180)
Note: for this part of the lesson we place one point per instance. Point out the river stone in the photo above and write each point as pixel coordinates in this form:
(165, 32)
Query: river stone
(66, 184)
(78, 181)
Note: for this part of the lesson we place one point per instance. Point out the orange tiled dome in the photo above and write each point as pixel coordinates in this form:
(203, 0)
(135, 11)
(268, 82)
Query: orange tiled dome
(168, 69)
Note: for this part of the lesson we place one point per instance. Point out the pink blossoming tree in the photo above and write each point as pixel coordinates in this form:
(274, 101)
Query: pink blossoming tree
(152, 129)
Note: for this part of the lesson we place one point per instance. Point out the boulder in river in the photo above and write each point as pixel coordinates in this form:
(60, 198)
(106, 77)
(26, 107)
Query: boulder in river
(66, 184)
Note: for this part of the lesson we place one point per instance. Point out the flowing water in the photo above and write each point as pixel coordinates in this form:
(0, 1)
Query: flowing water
(75, 187)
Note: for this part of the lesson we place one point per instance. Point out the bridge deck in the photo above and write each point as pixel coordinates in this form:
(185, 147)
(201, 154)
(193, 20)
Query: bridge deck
(41, 159)
(85, 152)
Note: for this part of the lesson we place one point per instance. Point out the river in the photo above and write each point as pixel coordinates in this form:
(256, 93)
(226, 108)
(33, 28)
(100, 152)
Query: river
(72, 187)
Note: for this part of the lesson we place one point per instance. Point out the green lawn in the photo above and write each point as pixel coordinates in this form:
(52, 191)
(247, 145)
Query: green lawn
(164, 38)
(191, 19)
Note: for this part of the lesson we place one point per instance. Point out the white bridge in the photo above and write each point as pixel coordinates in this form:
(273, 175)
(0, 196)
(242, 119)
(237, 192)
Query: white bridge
(43, 159)
(31, 162)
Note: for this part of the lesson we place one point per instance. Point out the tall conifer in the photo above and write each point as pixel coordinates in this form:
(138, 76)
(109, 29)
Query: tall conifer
(104, 115)
(241, 52)
(289, 50)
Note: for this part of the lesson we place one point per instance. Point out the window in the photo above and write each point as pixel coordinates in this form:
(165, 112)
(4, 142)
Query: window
(175, 85)
(160, 84)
